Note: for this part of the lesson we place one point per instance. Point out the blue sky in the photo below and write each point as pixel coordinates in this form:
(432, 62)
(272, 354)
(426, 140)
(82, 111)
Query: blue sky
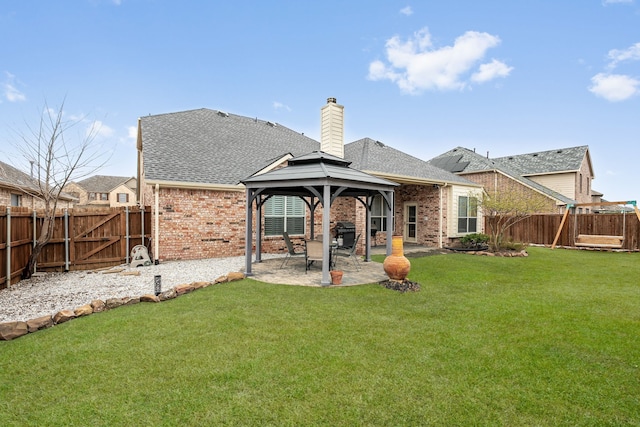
(504, 77)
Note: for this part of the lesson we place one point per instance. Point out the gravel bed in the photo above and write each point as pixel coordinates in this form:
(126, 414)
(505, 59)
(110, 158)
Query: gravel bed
(48, 293)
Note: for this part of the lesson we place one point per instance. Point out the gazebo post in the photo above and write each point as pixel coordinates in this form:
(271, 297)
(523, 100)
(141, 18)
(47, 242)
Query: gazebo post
(367, 247)
(389, 222)
(259, 229)
(326, 218)
(248, 238)
(312, 209)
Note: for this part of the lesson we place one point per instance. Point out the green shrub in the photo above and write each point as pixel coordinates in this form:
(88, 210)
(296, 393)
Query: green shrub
(474, 240)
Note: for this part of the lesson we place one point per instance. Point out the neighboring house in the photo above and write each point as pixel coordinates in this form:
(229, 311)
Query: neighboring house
(563, 176)
(190, 165)
(19, 189)
(104, 191)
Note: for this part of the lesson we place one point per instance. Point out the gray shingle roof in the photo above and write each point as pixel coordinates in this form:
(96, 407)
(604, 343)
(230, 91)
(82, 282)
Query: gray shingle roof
(15, 178)
(213, 147)
(463, 160)
(369, 155)
(102, 183)
(560, 160)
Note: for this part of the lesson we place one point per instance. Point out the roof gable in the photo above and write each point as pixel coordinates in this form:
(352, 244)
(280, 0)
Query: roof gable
(467, 161)
(545, 162)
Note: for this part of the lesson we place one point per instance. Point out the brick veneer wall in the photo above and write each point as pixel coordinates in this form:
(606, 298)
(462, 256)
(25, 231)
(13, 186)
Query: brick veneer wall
(493, 180)
(29, 201)
(195, 224)
(428, 213)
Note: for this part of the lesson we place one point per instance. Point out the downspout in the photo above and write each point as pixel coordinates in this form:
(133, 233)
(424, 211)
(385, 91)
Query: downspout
(441, 221)
(156, 220)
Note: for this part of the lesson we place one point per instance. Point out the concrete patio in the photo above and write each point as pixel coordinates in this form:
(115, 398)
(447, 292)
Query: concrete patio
(293, 273)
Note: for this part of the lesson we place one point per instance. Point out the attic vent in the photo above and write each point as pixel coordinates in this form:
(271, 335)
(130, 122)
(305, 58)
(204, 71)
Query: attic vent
(559, 151)
(223, 114)
(535, 155)
(380, 144)
(510, 158)
(271, 124)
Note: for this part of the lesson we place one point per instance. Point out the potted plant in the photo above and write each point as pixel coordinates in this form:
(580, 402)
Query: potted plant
(336, 277)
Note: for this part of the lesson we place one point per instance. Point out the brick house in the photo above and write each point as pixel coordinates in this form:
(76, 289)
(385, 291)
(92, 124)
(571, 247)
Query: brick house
(19, 189)
(563, 176)
(190, 165)
(104, 191)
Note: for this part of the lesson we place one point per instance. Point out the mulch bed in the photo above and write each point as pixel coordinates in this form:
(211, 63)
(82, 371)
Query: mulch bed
(404, 286)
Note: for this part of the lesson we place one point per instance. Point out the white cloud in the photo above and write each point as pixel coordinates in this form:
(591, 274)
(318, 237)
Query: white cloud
(280, 106)
(606, 2)
(98, 129)
(614, 87)
(415, 65)
(11, 93)
(490, 71)
(406, 11)
(132, 132)
(616, 55)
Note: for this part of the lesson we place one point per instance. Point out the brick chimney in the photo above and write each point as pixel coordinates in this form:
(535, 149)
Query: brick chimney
(332, 128)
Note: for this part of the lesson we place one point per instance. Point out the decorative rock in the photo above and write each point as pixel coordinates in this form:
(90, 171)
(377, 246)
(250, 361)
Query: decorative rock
(84, 310)
(221, 279)
(200, 285)
(97, 305)
(130, 301)
(11, 330)
(63, 316)
(235, 275)
(184, 289)
(39, 323)
(112, 303)
(149, 298)
(167, 295)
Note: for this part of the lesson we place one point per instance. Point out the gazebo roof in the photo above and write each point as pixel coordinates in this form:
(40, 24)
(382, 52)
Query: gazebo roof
(317, 168)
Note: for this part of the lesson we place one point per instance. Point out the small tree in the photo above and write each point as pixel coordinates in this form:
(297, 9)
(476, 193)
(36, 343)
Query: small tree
(56, 160)
(508, 207)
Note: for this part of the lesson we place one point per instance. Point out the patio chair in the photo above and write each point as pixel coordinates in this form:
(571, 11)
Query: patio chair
(291, 251)
(351, 253)
(313, 252)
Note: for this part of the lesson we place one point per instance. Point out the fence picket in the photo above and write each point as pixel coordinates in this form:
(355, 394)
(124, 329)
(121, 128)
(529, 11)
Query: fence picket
(83, 238)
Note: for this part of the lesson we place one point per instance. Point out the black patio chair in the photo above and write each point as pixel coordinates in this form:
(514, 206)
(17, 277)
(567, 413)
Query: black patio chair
(351, 253)
(291, 250)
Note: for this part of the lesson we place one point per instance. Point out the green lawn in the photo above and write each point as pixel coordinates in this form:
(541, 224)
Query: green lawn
(552, 339)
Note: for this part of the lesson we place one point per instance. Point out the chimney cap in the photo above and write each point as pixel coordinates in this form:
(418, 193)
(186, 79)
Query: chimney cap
(331, 100)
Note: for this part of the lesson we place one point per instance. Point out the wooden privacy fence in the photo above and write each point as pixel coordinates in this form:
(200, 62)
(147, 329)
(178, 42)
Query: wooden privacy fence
(542, 229)
(83, 238)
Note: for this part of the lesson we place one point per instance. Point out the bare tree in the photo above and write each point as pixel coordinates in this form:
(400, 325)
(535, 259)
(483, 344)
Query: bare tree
(509, 206)
(56, 159)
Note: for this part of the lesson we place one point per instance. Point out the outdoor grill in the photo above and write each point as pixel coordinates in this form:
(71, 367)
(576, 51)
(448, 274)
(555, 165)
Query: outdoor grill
(346, 231)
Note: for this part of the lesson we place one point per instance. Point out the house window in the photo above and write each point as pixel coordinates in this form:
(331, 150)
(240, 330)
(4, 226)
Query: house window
(467, 214)
(104, 196)
(16, 199)
(284, 213)
(379, 214)
(123, 198)
(92, 196)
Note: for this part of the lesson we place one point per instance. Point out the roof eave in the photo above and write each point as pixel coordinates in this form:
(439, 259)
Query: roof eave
(194, 185)
(404, 179)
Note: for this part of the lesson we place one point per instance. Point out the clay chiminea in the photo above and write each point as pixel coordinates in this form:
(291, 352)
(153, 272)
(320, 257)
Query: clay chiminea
(396, 265)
